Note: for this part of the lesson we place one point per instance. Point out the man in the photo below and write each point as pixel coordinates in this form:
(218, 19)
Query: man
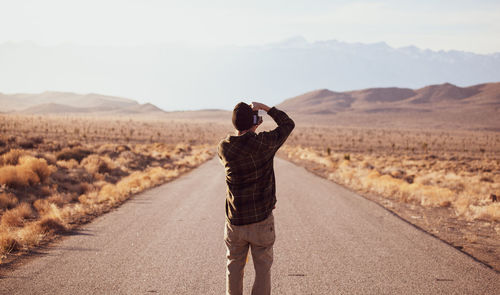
(251, 194)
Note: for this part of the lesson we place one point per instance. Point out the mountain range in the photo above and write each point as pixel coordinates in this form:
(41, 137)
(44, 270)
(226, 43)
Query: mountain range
(442, 106)
(52, 102)
(388, 100)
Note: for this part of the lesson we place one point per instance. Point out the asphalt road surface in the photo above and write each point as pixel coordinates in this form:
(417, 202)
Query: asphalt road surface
(169, 240)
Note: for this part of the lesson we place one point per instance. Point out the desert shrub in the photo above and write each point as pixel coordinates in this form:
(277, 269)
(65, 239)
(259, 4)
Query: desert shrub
(50, 158)
(7, 201)
(17, 176)
(73, 153)
(84, 187)
(97, 164)
(51, 216)
(106, 148)
(42, 206)
(8, 243)
(39, 166)
(8, 176)
(30, 236)
(16, 216)
(182, 148)
(36, 139)
(70, 164)
(110, 192)
(46, 206)
(11, 139)
(74, 188)
(60, 199)
(30, 143)
(51, 225)
(112, 149)
(74, 143)
(12, 157)
(122, 148)
(88, 198)
(26, 144)
(30, 171)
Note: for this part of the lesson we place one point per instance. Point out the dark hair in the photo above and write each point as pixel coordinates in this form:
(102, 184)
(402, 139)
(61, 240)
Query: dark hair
(242, 116)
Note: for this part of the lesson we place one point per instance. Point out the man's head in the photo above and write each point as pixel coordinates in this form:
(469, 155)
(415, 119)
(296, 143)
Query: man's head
(243, 117)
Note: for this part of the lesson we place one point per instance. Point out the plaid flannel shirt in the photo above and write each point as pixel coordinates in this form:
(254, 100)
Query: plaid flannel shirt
(248, 161)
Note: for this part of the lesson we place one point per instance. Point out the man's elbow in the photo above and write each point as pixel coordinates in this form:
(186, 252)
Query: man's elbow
(292, 124)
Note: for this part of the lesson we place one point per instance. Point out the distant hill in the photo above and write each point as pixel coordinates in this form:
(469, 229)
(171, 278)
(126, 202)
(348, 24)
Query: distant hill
(51, 102)
(212, 115)
(441, 106)
(54, 108)
(146, 108)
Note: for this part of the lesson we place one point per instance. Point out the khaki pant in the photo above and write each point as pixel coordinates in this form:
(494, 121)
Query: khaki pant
(259, 237)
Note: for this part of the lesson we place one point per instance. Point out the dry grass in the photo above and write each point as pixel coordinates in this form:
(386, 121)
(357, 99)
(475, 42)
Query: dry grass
(12, 157)
(7, 201)
(70, 131)
(95, 164)
(38, 166)
(446, 182)
(423, 180)
(70, 164)
(29, 172)
(9, 243)
(17, 176)
(72, 154)
(17, 216)
(111, 182)
(72, 170)
(397, 141)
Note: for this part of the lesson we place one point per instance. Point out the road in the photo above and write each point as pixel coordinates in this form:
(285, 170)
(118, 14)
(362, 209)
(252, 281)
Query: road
(169, 240)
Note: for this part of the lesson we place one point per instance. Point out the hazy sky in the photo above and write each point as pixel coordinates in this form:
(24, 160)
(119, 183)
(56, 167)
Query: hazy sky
(179, 54)
(446, 24)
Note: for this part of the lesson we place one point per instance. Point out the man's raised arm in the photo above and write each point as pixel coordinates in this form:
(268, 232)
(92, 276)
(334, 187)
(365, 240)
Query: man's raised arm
(276, 137)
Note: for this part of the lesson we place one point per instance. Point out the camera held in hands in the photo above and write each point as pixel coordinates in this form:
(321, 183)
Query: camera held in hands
(257, 120)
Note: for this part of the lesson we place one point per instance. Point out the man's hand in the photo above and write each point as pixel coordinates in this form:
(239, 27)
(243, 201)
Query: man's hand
(259, 106)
